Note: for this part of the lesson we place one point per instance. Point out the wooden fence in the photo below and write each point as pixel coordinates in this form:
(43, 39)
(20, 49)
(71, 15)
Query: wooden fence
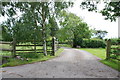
(37, 47)
(113, 53)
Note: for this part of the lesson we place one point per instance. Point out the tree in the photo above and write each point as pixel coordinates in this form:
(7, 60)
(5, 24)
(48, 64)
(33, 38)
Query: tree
(53, 26)
(111, 11)
(73, 28)
(100, 34)
(33, 13)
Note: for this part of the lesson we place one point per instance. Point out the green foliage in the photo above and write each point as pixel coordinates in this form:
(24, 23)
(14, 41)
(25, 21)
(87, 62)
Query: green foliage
(72, 28)
(53, 26)
(110, 11)
(115, 41)
(99, 34)
(38, 19)
(93, 43)
(6, 33)
(77, 42)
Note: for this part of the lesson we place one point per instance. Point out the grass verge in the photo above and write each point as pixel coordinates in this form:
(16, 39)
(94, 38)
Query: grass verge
(41, 57)
(112, 63)
(100, 52)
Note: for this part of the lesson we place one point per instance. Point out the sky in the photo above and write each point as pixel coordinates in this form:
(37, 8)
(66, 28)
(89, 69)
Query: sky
(96, 20)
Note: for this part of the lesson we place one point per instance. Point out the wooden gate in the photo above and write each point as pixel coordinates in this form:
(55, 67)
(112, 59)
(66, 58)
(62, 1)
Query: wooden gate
(31, 47)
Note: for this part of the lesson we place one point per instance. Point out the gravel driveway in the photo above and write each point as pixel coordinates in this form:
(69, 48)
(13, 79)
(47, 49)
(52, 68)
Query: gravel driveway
(72, 63)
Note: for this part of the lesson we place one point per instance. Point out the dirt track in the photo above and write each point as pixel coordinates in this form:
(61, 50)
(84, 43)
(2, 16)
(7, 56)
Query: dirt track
(72, 63)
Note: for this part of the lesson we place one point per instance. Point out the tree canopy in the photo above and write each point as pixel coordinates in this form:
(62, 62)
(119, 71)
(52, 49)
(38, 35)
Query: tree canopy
(73, 28)
(111, 11)
(100, 34)
(35, 18)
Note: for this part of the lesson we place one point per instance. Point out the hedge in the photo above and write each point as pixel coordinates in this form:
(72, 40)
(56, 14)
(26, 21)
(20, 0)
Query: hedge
(93, 43)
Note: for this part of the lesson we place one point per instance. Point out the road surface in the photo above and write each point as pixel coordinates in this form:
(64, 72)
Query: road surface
(72, 63)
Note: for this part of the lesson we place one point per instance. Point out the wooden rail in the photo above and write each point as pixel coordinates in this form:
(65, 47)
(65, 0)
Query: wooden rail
(116, 53)
(108, 51)
(29, 52)
(116, 48)
(25, 50)
(29, 45)
(6, 49)
(53, 44)
(2, 42)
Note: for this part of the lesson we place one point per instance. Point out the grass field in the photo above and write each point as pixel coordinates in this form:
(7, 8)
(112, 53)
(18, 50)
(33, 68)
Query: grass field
(100, 52)
(32, 57)
(8, 53)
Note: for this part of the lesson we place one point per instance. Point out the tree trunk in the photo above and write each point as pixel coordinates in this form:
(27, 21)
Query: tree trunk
(45, 47)
(74, 41)
(44, 33)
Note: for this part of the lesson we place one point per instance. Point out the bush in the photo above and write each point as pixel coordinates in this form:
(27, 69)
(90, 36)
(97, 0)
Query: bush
(93, 43)
(77, 42)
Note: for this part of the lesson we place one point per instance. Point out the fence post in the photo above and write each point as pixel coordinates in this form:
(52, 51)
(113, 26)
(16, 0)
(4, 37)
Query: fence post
(14, 47)
(57, 46)
(53, 46)
(34, 46)
(108, 49)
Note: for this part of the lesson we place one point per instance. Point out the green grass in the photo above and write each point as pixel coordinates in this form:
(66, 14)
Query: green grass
(6, 46)
(5, 53)
(40, 57)
(114, 46)
(112, 63)
(65, 45)
(101, 53)
(8, 53)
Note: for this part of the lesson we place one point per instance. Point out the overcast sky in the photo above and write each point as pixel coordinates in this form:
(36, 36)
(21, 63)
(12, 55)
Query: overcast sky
(96, 20)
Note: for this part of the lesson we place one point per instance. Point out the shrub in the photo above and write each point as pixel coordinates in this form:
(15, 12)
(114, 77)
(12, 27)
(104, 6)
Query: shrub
(93, 43)
(77, 42)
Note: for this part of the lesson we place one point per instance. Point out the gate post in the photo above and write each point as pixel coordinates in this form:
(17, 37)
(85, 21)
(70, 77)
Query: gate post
(34, 46)
(53, 46)
(108, 49)
(14, 47)
(57, 44)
